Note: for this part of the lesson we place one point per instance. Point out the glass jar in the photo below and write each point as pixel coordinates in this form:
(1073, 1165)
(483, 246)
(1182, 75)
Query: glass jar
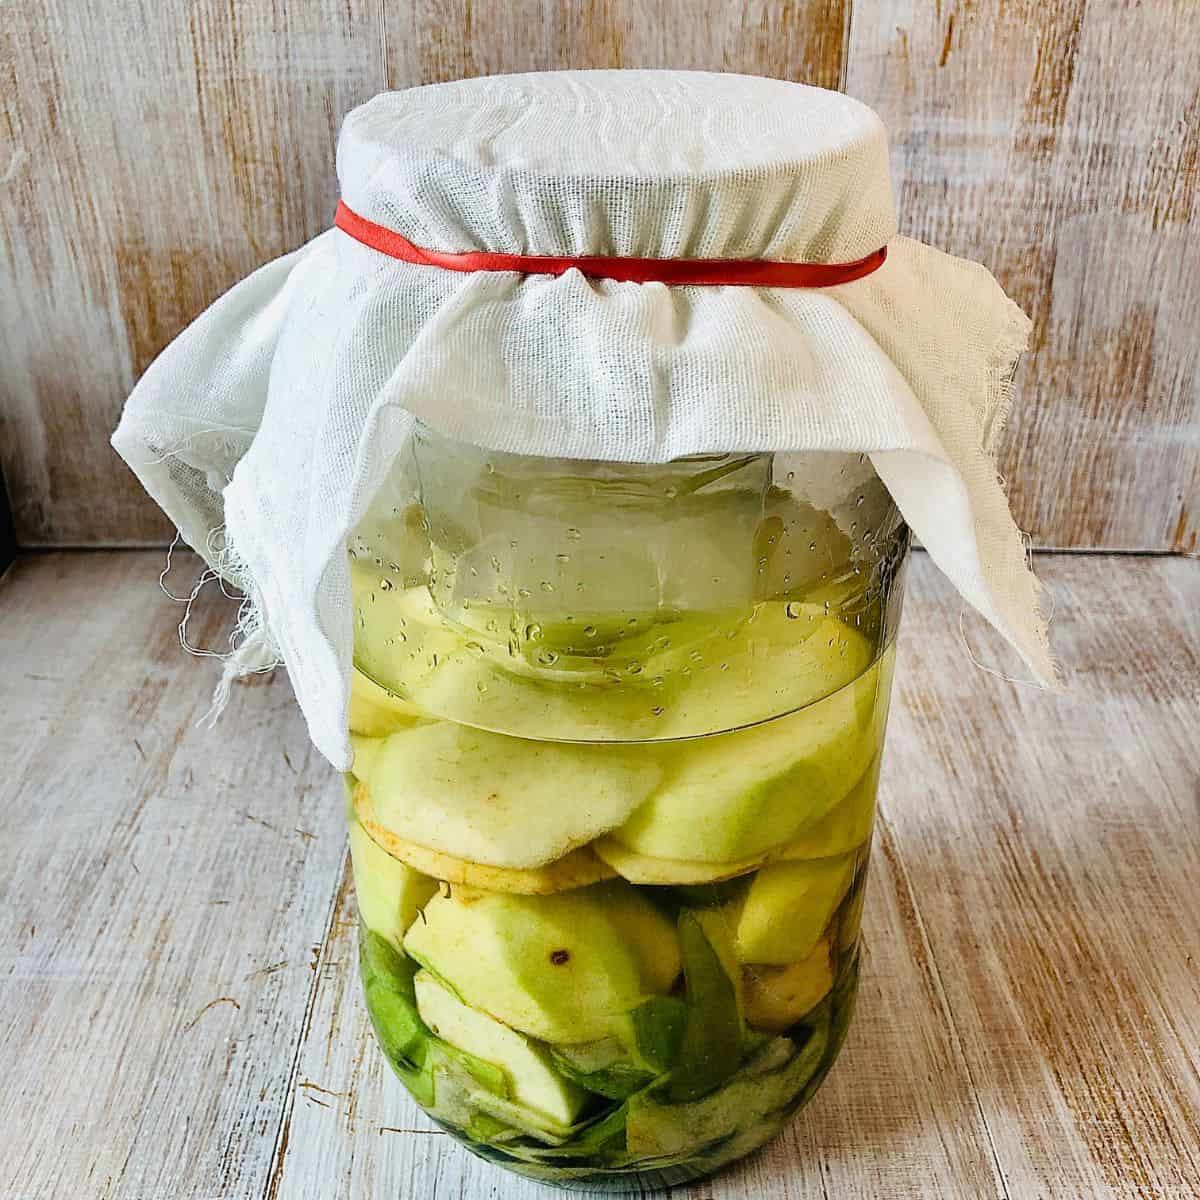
(617, 734)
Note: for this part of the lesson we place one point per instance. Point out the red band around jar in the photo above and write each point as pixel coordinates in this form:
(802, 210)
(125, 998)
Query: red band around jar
(679, 271)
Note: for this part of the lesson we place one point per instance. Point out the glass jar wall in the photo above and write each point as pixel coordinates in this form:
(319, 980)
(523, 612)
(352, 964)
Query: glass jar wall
(617, 738)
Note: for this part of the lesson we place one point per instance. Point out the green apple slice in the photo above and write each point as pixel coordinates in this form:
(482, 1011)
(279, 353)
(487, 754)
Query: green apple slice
(788, 905)
(563, 968)
(498, 800)
(577, 869)
(736, 796)
(775, 998)
(532, 1078)
(389, 893)
(844, 827)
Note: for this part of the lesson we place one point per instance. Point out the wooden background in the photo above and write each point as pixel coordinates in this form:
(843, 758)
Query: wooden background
(152, 154)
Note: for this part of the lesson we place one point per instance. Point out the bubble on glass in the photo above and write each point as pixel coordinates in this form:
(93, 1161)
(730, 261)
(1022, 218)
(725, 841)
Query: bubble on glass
(793, 609)
(573, 534)
(563, 558)
(495, 563)
(635, 668)
(475, 647)
(533, 631)
(547, 586)
(524, 593)
(547, 657)
(385, 585)
(590, 631)
(658, 710)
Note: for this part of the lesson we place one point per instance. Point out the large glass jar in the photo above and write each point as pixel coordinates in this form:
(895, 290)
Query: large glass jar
(617, 735)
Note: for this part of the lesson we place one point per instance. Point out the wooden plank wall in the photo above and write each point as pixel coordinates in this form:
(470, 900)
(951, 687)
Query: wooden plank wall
(150, 155)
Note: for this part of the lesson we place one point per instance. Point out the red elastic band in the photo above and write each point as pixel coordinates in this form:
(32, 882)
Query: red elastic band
(709, 271)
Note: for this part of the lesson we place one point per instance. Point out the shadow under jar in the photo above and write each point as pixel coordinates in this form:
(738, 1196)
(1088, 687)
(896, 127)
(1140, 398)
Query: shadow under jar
(617, 734)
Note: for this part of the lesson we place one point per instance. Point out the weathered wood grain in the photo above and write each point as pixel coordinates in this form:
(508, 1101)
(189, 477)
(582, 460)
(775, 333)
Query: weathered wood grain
(164, 891)
(150, 156)
(436, 40)
(1059, 144)
(1030, 1016)
(1053, 845)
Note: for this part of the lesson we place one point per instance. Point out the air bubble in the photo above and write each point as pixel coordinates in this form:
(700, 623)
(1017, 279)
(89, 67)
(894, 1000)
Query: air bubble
(495, 563)
(547, 586)
(793, 609)
(563, 558)
(385, 585)
(658, 710)
(524, 593)
(533, 631)
(589, 631)
(573, 534)
(475, 647)
(635, 668)
(547, 657)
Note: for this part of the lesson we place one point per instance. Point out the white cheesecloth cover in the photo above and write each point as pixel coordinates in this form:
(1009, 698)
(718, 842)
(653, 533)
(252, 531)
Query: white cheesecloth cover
(266, 427)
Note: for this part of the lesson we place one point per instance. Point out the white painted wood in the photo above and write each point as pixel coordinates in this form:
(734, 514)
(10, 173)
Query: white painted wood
(179, 1011)
(1058, 143)
(164, 890)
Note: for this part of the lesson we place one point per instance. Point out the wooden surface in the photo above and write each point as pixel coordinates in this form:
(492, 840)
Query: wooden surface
(1059, 144)
(179, 1013)
(1056, 142)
